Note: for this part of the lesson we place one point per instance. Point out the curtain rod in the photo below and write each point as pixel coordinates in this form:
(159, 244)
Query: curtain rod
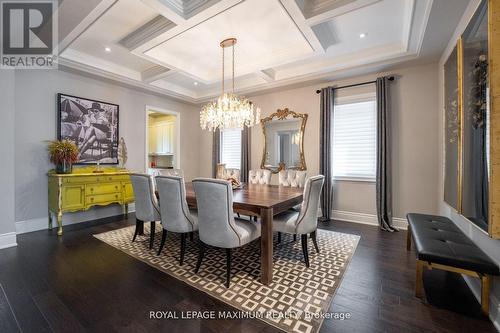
(391, 78)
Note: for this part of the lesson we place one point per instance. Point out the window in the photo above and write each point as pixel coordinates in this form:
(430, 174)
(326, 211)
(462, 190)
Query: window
(354, 138)
(230, 148)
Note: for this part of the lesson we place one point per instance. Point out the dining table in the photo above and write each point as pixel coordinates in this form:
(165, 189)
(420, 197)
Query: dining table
(264, 201)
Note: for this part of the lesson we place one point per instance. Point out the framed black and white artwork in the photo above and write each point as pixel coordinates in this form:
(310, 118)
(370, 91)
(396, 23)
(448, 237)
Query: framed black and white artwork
(92, 125)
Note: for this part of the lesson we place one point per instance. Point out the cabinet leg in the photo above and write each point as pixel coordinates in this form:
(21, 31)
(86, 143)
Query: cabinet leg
(485, 294)
(126, 210)
(50, 220)
(59, 224)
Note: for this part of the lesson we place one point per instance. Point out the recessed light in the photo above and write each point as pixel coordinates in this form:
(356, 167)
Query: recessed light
(195, 83)
(362, 35)
(107, 49)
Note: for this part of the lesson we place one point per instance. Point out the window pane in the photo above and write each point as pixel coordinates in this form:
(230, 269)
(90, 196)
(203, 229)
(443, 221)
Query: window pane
(231, 148)
(354, 139)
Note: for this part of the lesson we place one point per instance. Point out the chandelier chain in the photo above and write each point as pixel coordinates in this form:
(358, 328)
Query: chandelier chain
(233, 69)
(222, 93)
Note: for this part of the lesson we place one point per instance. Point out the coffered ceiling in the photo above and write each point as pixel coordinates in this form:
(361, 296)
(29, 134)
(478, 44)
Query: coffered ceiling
(172, 46)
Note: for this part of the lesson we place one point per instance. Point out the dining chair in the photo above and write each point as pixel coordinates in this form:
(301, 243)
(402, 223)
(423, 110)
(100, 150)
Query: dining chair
(293, 178)
(217, 225)
(170, 172)
(260, 176)
(146, 205)
(174, 211)
(230, 173)
(305, 221)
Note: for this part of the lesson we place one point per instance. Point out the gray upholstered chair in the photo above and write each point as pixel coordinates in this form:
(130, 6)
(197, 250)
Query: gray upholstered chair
(146, 205)
(305, 221)
(293, 178)
(170, 172)
(260, 176)
(175, 214)
(217, 225)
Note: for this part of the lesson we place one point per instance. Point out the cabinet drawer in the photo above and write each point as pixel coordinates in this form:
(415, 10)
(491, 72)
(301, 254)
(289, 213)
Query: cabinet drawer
(97, 179)
(103, 199)
(103, 188)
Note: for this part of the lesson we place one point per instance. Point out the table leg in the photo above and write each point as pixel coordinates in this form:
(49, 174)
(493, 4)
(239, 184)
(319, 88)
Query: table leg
(266, 246)
(59, 223)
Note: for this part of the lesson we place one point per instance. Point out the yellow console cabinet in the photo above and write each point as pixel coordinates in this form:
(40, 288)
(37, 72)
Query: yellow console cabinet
(84, 189)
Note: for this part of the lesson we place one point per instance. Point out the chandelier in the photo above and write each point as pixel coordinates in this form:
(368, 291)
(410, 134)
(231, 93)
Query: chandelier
(229, 110)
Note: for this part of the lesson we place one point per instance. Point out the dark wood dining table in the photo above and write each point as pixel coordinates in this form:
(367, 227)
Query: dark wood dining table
(264, 201)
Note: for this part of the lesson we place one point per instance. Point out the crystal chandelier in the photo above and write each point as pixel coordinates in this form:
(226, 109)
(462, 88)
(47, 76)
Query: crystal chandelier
(228, 110)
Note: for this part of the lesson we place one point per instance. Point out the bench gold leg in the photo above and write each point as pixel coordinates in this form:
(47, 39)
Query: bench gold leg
(408, 238)
(419, 282)
(485, 294)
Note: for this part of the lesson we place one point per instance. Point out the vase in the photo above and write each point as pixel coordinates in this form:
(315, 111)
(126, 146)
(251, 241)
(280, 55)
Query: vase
(64, 168)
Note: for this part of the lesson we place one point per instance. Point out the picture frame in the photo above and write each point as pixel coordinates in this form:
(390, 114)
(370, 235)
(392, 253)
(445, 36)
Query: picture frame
(92, 125)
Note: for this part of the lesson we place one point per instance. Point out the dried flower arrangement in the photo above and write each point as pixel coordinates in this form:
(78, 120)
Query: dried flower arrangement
(63, 154)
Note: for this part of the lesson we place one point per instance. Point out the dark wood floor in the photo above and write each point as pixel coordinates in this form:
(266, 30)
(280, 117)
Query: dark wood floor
(77, 283)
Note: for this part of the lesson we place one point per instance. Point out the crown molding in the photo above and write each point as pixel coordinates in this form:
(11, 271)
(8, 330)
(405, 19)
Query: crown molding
(69, 66)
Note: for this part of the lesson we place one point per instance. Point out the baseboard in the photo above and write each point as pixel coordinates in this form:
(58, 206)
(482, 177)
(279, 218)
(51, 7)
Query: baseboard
(475, 287)
(42, 223)
(364, 218)
(8, 240)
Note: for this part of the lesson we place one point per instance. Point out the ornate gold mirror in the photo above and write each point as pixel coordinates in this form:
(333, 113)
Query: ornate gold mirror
(284, 141)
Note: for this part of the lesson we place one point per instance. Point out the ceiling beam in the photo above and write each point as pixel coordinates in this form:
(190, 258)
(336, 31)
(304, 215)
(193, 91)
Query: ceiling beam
(319, 15)
(155, 73)
(267, 74)
(92, 17)
(152, 29)
(297, 16)
(165, 10)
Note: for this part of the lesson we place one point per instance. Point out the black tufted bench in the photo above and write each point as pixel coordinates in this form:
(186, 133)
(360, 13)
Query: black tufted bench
(440, 244)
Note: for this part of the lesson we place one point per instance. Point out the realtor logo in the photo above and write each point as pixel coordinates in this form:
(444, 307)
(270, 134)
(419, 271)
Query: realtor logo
(29, 33)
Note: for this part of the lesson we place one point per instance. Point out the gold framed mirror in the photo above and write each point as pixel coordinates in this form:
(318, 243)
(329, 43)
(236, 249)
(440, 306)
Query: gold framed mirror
(472, 121)
(283, 141)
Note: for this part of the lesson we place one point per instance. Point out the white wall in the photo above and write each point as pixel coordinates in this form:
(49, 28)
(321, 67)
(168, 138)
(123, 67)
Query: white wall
(36, 117)
(7, 116)
(480, 238)
(415, 137)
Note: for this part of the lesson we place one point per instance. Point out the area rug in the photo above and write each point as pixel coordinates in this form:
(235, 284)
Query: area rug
(299, 298)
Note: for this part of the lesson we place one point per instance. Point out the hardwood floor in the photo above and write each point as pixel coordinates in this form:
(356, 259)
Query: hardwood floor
(77, 283)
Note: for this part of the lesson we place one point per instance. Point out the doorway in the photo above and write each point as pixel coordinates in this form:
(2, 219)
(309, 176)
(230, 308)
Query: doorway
(162, 139)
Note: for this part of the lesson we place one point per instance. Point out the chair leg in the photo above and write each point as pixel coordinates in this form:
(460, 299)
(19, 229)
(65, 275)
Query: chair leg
(255, 218)
(183, 247)
(419, 282)
(163, 238)
(279, 237)
(228, 267)
(139, 228)
(152, 234)
(201, 253)
(294, 237)
(408, 238)
(304, 249)
(485, 294)
(191, 236)
(315, 242)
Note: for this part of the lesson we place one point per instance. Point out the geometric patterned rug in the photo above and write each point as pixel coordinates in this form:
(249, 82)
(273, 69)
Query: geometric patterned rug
(294, 301)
